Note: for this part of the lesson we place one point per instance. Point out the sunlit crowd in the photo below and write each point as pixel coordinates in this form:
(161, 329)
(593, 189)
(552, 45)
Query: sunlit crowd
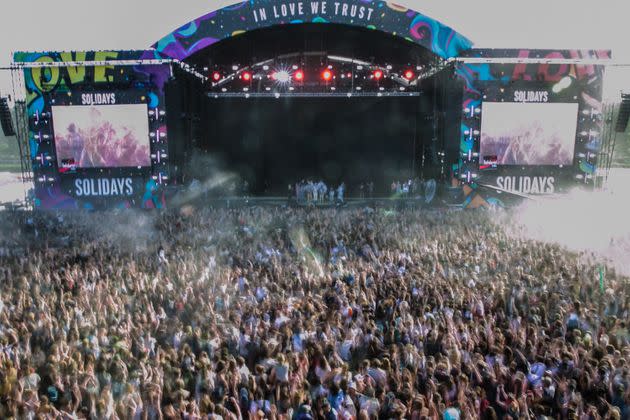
(304, 314)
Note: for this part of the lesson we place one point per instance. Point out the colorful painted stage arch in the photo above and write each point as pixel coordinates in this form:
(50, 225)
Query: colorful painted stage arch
(256, 14)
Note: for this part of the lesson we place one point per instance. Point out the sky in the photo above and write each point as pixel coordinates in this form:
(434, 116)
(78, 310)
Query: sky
(67, 25)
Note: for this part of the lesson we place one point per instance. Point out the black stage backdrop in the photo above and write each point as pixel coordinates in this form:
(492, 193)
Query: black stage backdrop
(273, 142)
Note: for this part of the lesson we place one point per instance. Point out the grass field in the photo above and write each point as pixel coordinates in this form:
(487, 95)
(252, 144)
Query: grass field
(621, 157)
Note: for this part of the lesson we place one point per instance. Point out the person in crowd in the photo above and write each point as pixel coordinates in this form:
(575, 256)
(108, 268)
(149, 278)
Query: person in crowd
(370, 189)
(281, 313)
(341, 189)
(322, 189)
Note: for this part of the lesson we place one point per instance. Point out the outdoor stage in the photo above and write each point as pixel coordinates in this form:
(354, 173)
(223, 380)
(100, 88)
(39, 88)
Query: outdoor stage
(273, 93)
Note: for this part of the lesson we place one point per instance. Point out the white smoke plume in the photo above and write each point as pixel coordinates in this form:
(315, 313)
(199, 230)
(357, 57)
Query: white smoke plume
(583, 221)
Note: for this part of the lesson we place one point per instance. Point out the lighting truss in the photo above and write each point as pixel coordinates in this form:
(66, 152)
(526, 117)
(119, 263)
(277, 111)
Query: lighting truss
(531, 60)
(362, 71)
(217, 95)
(139, 62)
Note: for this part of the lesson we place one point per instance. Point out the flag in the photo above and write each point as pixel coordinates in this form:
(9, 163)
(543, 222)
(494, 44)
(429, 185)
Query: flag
(601, 278)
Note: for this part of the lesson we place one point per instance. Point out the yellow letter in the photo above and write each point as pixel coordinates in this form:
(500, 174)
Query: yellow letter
(99, 71)
(77, 74)
(45, 78)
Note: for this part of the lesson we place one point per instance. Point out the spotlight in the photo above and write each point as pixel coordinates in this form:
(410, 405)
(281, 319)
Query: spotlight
(378, 74)
(299, 75)
(408, 74)
(281, 76)
(327, 75)
(246, 76)
(216, 76)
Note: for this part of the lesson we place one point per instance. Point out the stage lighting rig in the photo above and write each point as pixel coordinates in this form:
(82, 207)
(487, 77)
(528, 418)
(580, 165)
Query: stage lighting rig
(314, 74)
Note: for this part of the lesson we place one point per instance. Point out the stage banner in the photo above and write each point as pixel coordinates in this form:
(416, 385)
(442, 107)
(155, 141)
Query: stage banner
(256, 14)
(93, 128)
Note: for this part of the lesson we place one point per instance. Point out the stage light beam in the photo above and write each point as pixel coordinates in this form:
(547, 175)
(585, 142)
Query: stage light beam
(378, 74)
(246, 76)
(299, 75)
(408, 74)
(216, 76)
(327, 75)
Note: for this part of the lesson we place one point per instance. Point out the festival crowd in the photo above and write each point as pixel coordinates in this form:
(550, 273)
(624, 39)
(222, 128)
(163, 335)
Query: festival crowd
(304, 314)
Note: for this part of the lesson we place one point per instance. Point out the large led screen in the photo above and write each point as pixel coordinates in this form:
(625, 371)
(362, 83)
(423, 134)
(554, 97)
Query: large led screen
(101, 136)
(528, 133)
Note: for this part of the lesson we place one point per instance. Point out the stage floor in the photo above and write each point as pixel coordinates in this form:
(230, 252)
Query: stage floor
(286, 202)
